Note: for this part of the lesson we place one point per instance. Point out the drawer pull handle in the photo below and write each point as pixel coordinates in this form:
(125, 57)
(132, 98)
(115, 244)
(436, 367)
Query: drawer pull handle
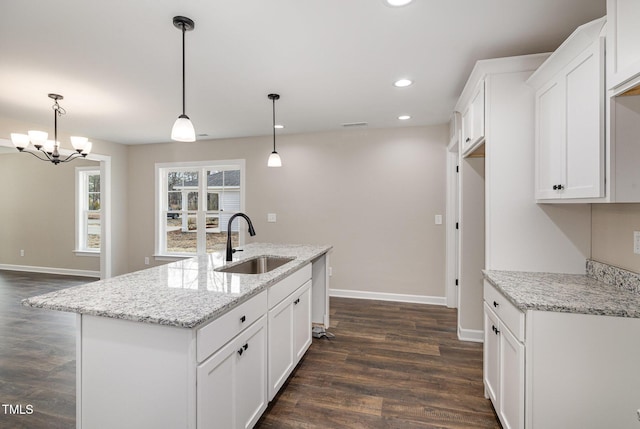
(242, 349)
(495, 330)
(297, 301)
(468, 140)
(243, 319)
(495, 304)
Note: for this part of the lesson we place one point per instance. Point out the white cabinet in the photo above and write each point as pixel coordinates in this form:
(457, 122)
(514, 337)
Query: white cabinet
(231, 384)
(504, 358)
(623, 41)
(473, 120)
(570, 118)
(289, 335)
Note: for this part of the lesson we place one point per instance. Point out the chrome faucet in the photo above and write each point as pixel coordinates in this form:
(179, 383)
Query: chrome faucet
(252, 232)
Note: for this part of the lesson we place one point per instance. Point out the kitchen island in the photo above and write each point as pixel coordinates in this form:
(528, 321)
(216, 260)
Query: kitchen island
(185, 345)
(561, 350)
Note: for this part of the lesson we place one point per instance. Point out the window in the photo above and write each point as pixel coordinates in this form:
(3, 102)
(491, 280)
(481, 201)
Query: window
(194, 204)
(88, 216)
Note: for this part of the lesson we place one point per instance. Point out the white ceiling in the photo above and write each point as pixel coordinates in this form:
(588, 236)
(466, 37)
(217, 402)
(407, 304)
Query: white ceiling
(118, 62)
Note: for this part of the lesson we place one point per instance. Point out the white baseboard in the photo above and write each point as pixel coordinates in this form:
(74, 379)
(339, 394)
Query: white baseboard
(50, 270)
(382, 296)
(473, 335)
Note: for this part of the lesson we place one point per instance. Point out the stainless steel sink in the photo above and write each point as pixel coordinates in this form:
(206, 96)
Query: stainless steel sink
(257, 265)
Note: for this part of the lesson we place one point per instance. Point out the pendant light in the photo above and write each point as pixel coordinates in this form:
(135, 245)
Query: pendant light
(274, 158)
(182, 130)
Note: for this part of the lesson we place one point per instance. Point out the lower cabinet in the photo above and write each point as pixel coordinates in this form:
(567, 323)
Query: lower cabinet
(231, 384)
(289, 335)
(504, 358)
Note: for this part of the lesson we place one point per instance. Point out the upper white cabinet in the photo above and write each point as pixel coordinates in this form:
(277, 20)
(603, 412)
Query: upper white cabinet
(623, 41)
(473, 120)
(570, 118)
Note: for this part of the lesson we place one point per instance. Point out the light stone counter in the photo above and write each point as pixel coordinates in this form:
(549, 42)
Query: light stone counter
(571, 293)
(185, 294)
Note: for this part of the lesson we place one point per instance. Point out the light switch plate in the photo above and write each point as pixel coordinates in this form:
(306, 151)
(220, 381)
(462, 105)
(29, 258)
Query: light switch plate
(636, 242)
(271, 217)
(438, 219)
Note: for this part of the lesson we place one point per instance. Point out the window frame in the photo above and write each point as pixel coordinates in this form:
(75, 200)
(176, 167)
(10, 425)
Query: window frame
(82, 198)
(161, 170)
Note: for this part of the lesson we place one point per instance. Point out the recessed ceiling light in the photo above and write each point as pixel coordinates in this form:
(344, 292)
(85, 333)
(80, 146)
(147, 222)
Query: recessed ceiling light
(401, 83)
(397, 3)
(278, 127)
(404, 117)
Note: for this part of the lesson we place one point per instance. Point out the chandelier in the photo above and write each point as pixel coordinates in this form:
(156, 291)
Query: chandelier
(48, 150)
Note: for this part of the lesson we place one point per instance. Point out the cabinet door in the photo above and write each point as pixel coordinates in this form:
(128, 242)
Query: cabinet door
(623, 41)
(584, 88)
(491, 354)
(550, 153)
(280, 345)
(251, 375)
(215, 389)
(302, 321)
(478, 113)
(511, 378)
(231, 387)
(467, 126)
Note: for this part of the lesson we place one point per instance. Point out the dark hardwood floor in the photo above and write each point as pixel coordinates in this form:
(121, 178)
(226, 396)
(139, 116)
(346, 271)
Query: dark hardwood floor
(390, 365)
(37, 354)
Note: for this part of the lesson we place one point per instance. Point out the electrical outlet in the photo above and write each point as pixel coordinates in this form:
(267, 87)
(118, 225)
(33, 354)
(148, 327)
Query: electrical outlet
(438, 219)
(21, 252)
(146, 260)
(271, 217)
(636, 242)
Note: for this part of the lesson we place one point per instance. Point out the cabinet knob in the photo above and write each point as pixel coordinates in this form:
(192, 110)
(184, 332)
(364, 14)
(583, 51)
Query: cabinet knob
(243, 319)
(468, 140)
(296, 301)
(243, 348)
(495, 330)
(495, 304)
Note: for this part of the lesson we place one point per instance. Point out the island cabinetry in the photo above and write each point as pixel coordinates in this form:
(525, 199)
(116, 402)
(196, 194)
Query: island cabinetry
(231, 384)
(289, 326)
(473, 121)
(504, 358)
(570, 118)
(623, 41)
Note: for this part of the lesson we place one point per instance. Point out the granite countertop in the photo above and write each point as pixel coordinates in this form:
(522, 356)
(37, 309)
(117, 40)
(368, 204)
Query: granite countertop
(567, 293)
(185, 294)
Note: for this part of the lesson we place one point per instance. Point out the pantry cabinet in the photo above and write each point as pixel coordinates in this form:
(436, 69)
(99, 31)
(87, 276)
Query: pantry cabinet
(570, 118)
(623, 41)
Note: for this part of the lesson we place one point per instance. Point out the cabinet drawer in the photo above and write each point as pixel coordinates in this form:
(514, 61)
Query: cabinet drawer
(217, 333)
(508, 313)
(288, 285)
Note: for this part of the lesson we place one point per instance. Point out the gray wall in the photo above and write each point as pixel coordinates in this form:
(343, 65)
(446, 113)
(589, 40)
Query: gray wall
(372, 194)
(38, 206)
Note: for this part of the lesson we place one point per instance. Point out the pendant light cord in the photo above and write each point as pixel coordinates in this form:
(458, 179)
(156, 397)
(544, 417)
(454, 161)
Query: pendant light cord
(183, 72)
(274, 124)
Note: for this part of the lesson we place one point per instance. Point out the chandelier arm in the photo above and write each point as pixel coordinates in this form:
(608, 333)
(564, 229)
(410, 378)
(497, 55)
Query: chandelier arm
(48, 158)
(73, 156)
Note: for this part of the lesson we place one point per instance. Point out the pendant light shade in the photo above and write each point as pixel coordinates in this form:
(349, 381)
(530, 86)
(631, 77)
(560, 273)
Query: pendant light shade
(274, 158)
(183, 130)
